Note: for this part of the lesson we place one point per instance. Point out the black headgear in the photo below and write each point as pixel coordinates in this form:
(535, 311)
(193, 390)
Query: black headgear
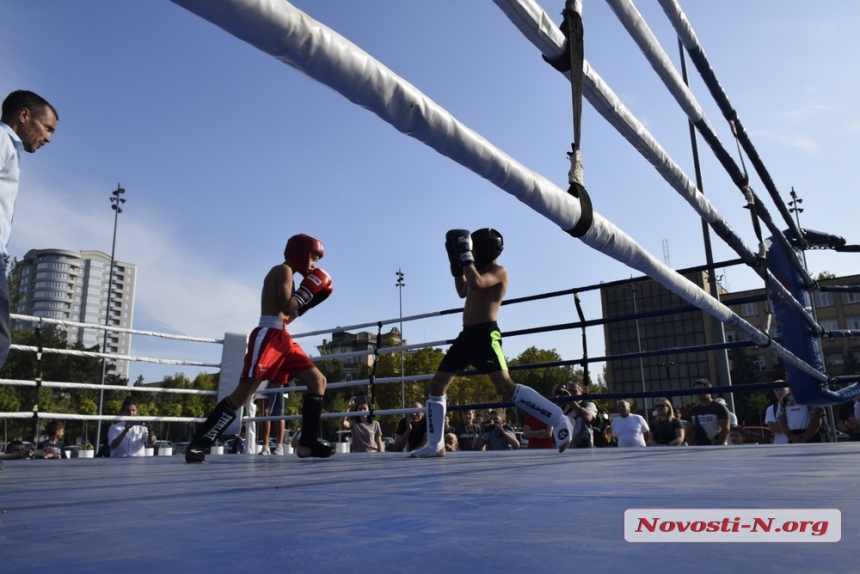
(487, 244)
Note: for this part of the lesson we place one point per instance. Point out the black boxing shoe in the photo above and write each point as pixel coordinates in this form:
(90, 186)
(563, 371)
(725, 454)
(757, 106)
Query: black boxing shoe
(195, 454)
(320, 448)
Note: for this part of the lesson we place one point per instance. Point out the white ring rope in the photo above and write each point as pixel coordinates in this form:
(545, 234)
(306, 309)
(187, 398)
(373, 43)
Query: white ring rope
(96, 387)
(112, 328)
(97, 355)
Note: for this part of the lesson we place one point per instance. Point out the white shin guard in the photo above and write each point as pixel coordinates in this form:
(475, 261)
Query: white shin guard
(436, 409)
(529, 400)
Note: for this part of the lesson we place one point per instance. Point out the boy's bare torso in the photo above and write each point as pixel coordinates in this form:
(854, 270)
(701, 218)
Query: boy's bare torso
(277, 290)
(482, 305)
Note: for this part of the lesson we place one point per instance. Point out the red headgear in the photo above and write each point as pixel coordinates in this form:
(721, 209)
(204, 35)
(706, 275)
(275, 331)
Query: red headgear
(300, 249)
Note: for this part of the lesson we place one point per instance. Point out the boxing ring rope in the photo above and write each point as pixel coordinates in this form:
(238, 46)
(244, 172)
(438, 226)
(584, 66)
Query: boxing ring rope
(279, 29)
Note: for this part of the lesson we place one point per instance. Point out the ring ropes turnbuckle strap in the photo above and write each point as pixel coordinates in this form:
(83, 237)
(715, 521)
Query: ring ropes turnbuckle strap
(572, 60)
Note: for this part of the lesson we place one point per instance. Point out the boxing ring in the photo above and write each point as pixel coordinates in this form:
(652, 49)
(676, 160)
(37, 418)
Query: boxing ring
(496, 511)
(519, 511)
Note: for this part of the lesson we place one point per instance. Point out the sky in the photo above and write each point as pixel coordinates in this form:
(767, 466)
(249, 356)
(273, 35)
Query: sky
(225, 152)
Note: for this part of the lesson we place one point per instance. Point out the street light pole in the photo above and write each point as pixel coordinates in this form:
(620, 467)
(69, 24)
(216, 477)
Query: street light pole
(794, 207)
(400, 285)
(116, 201)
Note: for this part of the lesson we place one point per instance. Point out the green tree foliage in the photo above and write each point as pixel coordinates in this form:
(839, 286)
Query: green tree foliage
(751, 407)
(743, 367)
(545, 379)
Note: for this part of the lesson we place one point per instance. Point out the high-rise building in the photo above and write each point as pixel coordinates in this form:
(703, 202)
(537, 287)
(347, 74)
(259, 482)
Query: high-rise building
(73, 285)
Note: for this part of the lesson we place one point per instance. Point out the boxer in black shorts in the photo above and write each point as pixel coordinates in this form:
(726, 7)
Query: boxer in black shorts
(482, 282)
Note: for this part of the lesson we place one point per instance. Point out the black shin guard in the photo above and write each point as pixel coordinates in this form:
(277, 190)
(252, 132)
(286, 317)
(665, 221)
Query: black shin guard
(311, 411)
(210, 430)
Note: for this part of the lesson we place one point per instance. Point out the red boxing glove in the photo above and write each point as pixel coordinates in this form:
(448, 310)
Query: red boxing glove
(314, 289)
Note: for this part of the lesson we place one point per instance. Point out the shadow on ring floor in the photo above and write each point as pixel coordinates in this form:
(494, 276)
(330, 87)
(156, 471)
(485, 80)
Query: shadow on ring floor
(521, 511)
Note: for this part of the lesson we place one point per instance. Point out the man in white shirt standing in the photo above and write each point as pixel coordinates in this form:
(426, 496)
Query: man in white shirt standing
(771, 417)
(26, 124)
(130, 438)
(628, 428)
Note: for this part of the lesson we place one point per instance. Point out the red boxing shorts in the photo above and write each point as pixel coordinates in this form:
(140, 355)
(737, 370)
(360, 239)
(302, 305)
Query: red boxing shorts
(272, 354)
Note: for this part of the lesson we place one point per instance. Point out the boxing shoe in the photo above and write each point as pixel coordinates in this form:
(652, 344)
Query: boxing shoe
(320, 448)
(562, 433)
(265, 451)
(279, 451)
(429, 450)
(195, 454)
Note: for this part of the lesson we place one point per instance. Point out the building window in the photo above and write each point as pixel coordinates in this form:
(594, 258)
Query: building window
(824, 299)
(853, 323)
(749, 309)
(835, 359)
(829, 324)
(851, 297)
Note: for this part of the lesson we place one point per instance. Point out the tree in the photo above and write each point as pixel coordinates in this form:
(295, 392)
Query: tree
(543, 379)
(743, 367)
(751, 408)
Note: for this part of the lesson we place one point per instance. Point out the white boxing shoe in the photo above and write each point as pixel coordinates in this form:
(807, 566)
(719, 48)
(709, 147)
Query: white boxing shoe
(563, 434)
(429, 450)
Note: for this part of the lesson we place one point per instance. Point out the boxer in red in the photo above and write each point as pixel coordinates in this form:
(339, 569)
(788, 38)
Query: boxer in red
(272, 354)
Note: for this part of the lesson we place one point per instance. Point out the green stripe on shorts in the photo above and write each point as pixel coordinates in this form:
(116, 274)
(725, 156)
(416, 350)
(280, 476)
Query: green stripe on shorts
(496, 336)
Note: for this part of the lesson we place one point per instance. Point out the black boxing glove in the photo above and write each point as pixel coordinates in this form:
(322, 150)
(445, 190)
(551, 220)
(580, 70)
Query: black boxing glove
(459, 241)
(454, 260)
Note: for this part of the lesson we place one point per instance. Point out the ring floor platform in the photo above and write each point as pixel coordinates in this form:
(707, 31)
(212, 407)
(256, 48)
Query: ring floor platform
(519, 511)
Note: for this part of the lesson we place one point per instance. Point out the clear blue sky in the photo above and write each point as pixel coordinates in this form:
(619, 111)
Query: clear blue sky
(226, 152)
